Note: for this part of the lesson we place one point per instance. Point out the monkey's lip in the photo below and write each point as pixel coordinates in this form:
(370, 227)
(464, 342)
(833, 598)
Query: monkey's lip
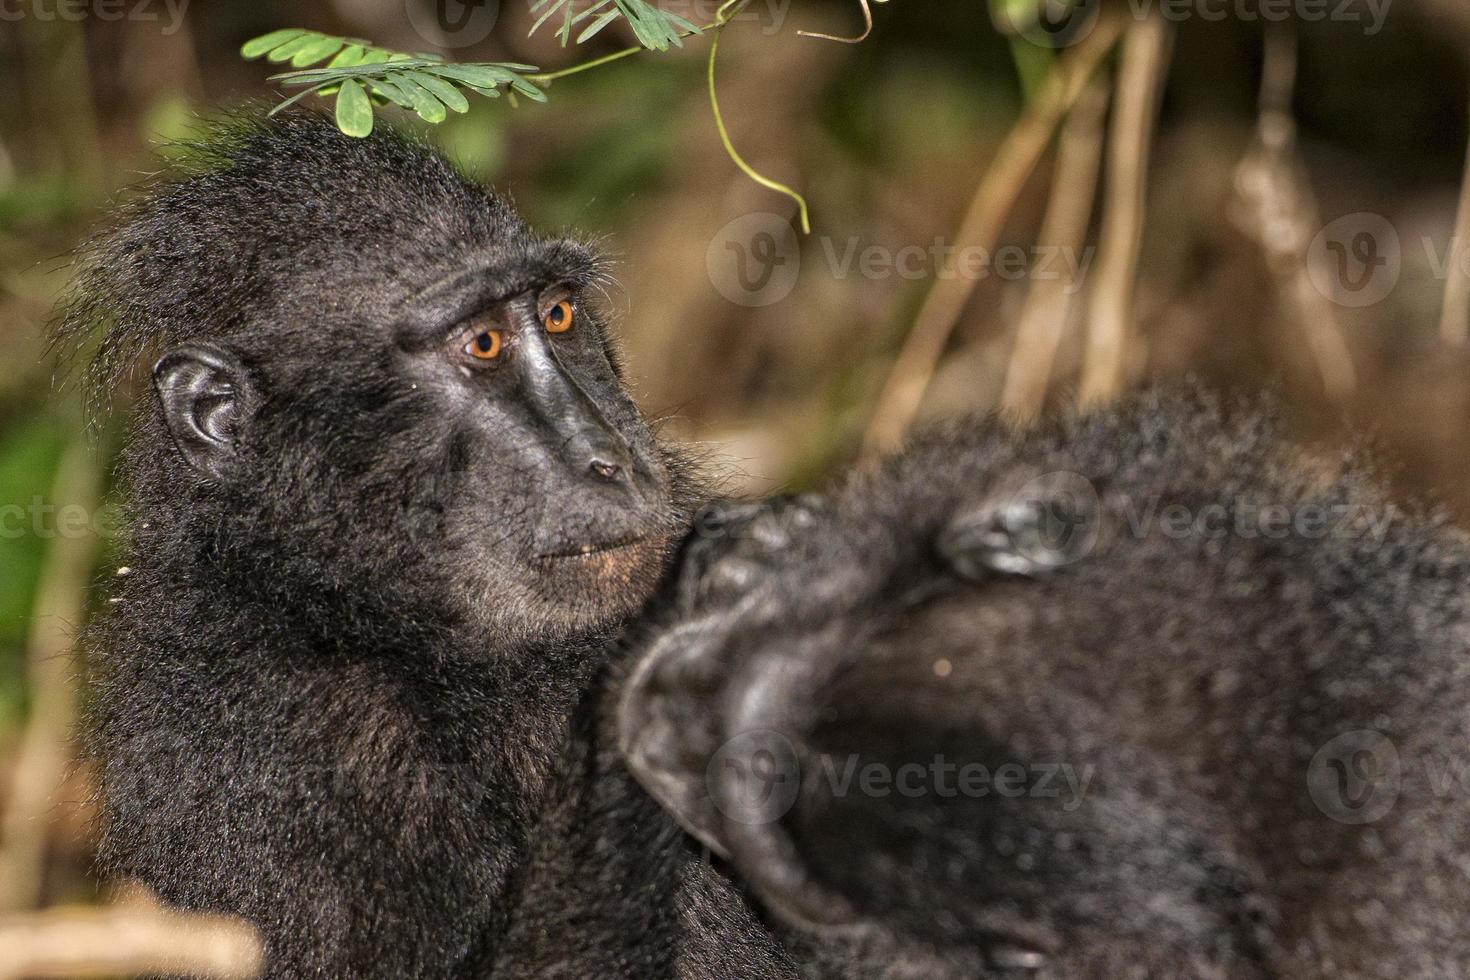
(603, 550)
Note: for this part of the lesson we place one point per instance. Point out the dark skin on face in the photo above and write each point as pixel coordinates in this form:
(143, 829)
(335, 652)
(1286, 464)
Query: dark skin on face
(518, 353)
(522, 366)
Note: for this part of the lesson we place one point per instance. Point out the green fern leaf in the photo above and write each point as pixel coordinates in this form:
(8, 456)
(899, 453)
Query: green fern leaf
(354, 109)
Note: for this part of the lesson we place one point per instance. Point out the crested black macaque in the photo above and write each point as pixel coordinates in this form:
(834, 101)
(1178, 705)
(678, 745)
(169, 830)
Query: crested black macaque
(388, 504)
(1137, 694)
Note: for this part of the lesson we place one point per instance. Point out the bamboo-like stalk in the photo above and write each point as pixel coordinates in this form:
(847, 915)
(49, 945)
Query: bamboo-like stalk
(1110, 326)
(126, 939)
(1069, 211)
(1275, 206)
(1454, 322)
(1019, 152)
(44, 752)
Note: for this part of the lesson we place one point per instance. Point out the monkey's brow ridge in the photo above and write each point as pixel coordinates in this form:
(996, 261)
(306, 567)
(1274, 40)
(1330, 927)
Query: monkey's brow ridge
(462, 294)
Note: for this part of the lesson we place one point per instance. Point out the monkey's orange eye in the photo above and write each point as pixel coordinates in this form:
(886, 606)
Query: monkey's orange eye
(558, 319)
(485, 345)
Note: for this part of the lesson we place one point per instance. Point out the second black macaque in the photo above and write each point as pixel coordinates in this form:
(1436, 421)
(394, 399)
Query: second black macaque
(1137, 694)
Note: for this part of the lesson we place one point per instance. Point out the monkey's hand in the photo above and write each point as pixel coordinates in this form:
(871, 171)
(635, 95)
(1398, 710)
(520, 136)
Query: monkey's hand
(732, 545)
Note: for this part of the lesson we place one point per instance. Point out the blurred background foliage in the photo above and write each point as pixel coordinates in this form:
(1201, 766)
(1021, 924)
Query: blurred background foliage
(888, 140)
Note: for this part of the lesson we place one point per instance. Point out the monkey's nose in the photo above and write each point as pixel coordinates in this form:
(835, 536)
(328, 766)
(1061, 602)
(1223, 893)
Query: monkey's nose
(601, 456)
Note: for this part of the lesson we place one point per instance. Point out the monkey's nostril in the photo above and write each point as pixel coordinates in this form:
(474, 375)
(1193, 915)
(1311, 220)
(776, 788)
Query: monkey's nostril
(604, 469)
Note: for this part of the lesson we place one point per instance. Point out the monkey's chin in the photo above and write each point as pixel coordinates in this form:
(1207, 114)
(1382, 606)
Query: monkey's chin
(607, 583)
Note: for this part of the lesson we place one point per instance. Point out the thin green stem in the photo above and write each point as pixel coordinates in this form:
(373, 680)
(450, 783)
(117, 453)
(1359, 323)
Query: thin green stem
(545, 78)
(745, 168)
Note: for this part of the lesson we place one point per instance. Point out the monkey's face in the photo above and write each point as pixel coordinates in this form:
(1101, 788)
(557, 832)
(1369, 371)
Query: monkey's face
(559, 500)
(469, 440)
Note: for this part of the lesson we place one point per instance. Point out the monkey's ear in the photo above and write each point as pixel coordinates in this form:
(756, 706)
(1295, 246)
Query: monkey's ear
(204, 390)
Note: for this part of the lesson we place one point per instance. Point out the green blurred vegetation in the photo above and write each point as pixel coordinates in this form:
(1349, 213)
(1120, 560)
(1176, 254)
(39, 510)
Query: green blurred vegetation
(29, 453)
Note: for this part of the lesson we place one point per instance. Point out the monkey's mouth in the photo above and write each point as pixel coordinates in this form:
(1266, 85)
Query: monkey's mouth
(624, 567)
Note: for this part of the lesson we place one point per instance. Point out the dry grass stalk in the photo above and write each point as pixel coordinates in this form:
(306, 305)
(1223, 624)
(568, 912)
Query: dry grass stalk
(1069, 211)
(134, 937)
(1110, 328)
(1454, 323)
(44, 752)
(1019, 152)
(1274, 205)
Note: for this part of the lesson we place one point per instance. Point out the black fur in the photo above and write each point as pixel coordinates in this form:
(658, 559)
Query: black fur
(331, 684)
(970, 599)
(613, 887)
